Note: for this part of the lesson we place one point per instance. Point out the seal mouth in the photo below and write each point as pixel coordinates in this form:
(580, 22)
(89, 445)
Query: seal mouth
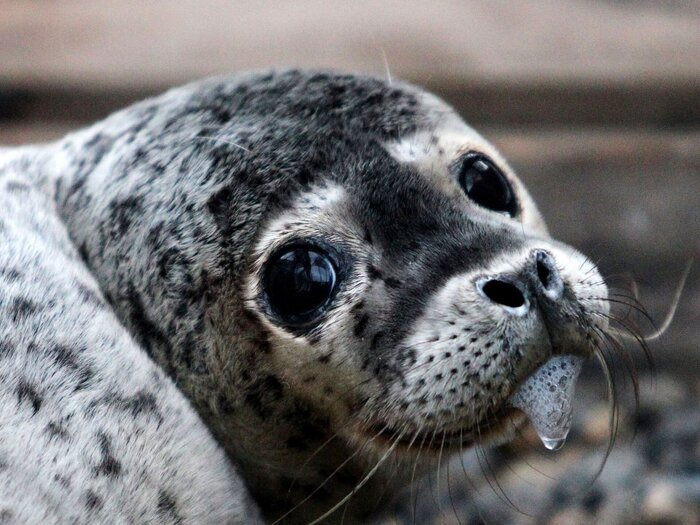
(435, 441)
(545, 398)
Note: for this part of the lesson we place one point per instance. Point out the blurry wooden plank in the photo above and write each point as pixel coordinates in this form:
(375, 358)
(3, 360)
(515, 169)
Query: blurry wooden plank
(560, 148)
(500, 61)
(127, 41)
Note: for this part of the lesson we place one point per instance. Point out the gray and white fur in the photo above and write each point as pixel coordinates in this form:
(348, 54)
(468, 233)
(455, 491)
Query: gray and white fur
(170, 210)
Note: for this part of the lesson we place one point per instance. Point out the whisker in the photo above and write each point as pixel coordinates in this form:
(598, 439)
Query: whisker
(674, 305)
(345, 462)
(449, 495)
(386, 66)
(614, 416)
(361, 484)
(216, 139)
(493, 481)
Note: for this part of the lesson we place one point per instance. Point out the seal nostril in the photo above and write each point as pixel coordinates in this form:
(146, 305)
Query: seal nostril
(543, 272)
(503, 293)
(548, 275)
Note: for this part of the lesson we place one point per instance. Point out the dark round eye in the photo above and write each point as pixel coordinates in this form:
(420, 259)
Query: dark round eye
(299, 281)
(486, 185)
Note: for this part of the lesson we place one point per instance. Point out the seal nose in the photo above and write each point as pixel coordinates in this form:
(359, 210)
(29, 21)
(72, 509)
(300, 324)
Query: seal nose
(514, 293)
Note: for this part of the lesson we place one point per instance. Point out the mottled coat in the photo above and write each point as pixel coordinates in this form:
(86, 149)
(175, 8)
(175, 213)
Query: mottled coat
(174, 206)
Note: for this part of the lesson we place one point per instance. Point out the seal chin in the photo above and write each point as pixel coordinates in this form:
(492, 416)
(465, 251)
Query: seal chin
(494, 429)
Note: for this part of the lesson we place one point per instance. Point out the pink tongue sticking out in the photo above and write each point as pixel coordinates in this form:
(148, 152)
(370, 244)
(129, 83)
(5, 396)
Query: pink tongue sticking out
(546, 398)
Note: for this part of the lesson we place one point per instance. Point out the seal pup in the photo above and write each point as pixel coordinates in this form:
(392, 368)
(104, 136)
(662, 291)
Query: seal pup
(345, 279)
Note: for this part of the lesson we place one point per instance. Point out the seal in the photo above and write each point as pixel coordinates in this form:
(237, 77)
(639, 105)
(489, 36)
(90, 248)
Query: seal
(344, 279)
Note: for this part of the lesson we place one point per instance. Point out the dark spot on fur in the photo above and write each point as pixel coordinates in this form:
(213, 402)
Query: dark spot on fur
(92, 501)
(392, 283)
(220, 205)
(146, 330)
(88, 295)
(375, 340)
(141, 403)
(10, 274)
(264, 346)
(224, 405)
(65, 357)
(64, 481)
(593, 500)
(21, 309)
(359, 305)
(83, 252)
(263, 393)
(69, 359)
(361, 325)
(14, 186)
(167, 507)
(169, 259)
(56, 430)
(324, 359)
(6, 349)
(124, 212)
(108, 465)
(373, 272)
(6, 516)
(26, 392)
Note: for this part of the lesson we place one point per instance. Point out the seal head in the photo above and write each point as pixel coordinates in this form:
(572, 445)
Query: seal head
(337, 271)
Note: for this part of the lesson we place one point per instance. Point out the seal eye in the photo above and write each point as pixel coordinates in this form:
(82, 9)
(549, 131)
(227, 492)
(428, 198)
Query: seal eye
(299, 281)
(486, 185)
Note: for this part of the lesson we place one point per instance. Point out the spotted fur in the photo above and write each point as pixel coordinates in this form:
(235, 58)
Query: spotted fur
(92, 430)
(175, 204)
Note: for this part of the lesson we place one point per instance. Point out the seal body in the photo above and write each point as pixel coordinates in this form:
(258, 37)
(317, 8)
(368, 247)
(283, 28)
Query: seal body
(341, 276)
(92, 430)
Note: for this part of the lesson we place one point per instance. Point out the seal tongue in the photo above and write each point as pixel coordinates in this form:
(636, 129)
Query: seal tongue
(546, 398)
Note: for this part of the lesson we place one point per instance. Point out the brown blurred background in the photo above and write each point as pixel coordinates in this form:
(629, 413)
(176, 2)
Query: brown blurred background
(595, 102)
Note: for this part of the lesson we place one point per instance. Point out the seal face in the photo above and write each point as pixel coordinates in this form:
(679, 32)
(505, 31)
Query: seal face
(334, 269)
(441, 292)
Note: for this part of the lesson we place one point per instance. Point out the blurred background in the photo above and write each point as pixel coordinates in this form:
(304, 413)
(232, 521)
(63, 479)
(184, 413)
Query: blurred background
(596, 103)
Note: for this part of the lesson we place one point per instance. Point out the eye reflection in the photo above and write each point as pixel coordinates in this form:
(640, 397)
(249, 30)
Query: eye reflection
(299, 281)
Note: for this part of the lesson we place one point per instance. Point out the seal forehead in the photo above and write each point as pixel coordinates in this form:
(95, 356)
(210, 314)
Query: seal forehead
(435, 151)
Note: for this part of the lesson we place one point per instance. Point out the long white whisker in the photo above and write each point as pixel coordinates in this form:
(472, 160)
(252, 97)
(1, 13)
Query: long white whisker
(386, 66)
(359, 485)
(674, 305)
(215, 139)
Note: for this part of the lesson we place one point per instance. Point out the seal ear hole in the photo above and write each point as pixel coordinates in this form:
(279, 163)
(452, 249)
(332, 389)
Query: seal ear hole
(486, 185)
(299, 281)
